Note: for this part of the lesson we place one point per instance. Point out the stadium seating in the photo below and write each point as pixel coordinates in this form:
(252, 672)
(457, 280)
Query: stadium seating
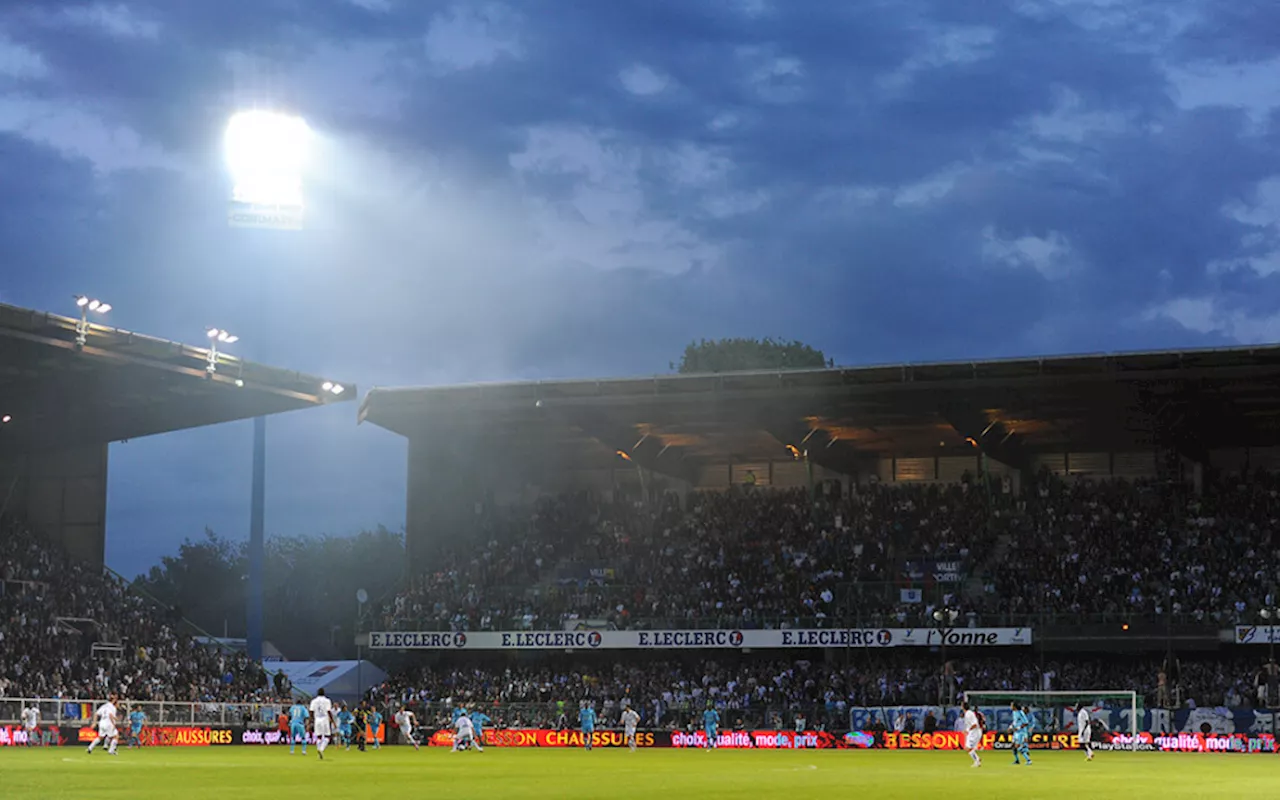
(72, 631)
(1061, 551)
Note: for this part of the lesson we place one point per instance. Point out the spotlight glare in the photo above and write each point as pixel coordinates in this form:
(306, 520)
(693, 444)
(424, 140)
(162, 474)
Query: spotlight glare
(239, 383)
(231, 339)
(266, 153)
(339, 388)
(104, 308)
(213, 333)
(6, 419)
(82, 301)
(327, 386)
(93, 305)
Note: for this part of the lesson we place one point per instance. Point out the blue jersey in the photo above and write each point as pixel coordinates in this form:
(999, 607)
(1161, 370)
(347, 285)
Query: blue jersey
(458, 712)
(479, 719)
(135, 720)
(298, 714)
(345, 718)
(587, 717)
(375, 721)
(710, 719)
(1020, 722)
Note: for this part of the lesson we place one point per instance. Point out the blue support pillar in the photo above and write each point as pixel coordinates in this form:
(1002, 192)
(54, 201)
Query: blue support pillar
(257, 551)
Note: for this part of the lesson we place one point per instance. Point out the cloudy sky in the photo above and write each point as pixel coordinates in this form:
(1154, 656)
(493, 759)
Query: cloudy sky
(561, 188)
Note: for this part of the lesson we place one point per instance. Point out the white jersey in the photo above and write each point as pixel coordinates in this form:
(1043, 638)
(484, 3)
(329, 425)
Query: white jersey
(1083, 728)
(106, 719)
(465, 729)
(972, 730)
(321, 707)
(404, 720)
(630, 719)
(30, 718)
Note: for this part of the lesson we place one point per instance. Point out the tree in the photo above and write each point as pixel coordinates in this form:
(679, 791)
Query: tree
(738, 355)
(204, 583)
(310, 604)
(310, 584)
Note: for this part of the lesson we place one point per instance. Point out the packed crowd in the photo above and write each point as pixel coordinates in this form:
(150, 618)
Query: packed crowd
(763, 691)
(69, 630)
(752, 559)
(743, 559)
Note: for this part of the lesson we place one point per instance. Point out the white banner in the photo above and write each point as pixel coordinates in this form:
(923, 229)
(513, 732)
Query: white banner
(681, 640)
(1258, 634)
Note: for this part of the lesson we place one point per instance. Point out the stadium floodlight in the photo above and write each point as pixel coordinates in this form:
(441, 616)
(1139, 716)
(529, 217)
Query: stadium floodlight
(333, 388)
(218, 336)
(266, 152)
(6, 419)
(86, 305)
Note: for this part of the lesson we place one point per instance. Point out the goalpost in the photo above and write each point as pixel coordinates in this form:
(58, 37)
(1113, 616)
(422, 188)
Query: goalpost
(1059, 700)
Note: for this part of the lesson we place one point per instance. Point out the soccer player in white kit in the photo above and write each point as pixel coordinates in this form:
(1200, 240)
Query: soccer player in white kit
(105, 719)
(322, 720)
(630, 719)
(405, 721)
(972, 733)
(31, 724)
(1084, 729)
(464, 732)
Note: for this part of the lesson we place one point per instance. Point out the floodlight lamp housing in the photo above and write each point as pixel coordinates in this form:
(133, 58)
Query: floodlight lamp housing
(266, 147)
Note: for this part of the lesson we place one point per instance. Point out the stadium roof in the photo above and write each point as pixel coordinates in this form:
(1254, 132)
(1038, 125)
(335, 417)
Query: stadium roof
(122, 385)
(1192, 400)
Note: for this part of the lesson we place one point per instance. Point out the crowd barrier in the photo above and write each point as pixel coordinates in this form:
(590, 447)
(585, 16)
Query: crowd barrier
(1222, 721)
(65, 722)
(190, 736)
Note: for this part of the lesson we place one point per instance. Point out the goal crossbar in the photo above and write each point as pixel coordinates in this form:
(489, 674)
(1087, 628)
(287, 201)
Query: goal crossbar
(976, 697)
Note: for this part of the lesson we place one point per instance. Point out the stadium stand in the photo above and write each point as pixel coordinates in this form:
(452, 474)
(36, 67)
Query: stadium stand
(1107, 550)
(82, 633)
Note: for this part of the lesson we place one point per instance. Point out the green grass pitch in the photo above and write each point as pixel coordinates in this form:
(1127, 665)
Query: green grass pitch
(243, 773)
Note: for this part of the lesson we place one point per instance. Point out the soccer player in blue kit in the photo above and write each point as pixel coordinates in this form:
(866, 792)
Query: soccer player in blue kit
(1021, 733)
(136, 720)
(375, 725)
(711, 726)
(587, 716)
(298, 714)
(478, 720)
(345, 721)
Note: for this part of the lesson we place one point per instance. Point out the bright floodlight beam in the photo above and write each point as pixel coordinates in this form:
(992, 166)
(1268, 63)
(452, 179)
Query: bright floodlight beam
(267, 153)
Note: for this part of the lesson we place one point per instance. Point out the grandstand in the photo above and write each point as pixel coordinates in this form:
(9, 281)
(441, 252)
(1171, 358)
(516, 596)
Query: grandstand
(66, 402)
(1154, 414)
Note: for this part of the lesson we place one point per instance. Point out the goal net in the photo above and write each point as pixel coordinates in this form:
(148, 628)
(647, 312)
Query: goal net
(1055, 712)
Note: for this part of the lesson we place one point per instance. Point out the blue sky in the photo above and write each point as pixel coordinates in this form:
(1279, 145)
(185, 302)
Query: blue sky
(563, 188)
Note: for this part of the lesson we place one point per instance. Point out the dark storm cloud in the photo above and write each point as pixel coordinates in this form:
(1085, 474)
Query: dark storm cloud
(570, 187)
